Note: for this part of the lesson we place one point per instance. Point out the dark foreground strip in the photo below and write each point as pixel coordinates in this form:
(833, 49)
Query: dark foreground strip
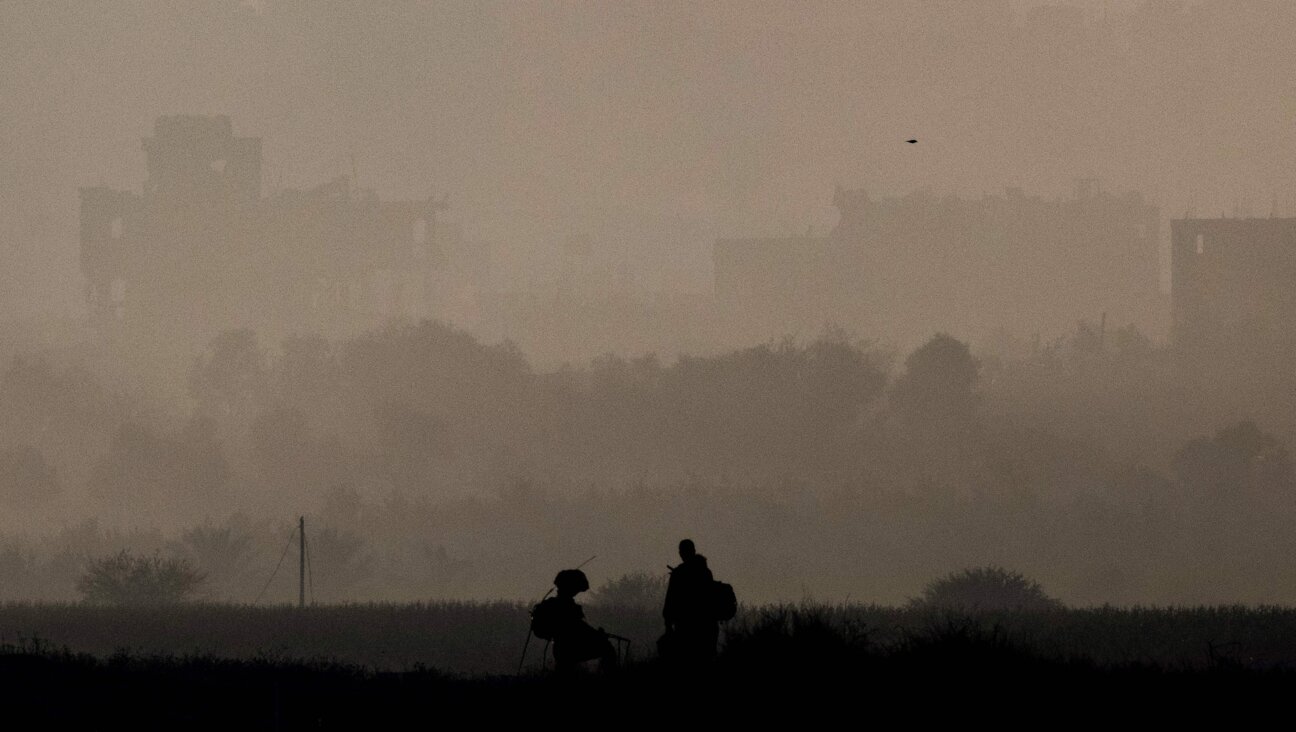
(918, 686)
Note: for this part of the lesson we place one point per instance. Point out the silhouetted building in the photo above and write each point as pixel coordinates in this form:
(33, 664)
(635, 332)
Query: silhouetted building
(1232, 285)
(200, 249)
(904, 267)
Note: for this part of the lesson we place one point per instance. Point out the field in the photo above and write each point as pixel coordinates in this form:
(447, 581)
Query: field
(487, 638)
(336, 666)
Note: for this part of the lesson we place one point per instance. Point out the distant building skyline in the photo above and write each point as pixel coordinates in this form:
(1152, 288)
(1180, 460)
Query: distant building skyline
(901, 266)
(1234, 293)
(200, 250)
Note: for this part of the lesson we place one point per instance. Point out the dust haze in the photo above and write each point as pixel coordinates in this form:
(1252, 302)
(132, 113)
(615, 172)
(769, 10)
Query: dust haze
(854, 295)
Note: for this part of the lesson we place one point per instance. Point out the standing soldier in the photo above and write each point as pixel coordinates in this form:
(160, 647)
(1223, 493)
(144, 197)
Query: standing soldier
(692, 628)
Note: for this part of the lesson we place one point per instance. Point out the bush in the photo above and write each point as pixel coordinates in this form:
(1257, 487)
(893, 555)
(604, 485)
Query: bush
(807, 638)
(126, 579)
(640, 590)
(985, 588)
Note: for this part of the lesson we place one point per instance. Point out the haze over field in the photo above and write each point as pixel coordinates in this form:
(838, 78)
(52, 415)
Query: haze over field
(651, 127)
(484, 289)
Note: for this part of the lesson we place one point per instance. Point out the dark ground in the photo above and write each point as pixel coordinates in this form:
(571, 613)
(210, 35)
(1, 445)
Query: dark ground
(778, 669)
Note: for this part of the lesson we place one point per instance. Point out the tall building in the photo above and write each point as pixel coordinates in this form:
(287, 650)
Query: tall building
(200, 249)
(1233, 286)
(903, 268)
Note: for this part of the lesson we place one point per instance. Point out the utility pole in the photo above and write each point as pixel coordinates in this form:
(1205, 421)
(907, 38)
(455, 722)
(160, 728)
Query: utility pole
(301, 570)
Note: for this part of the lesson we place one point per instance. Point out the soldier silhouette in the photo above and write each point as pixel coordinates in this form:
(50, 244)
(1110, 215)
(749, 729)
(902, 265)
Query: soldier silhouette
(561, 620)
(691, 625)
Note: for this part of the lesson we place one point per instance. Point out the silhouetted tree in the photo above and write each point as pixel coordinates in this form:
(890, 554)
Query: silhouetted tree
(33, 394)
(938, 384)
(431, 362)
(840, 380)
(20, 575)
(220, 553)
(413, 443)
(307, 372)
(775, 407)
(127, 579)
(1130, 344)
(147, 473)
(985, 588)
(1239, 460)
(285, 453)
(339, 561)
(231, 374)
(64, 413)
(342, 506)
(639, 590)
(1236, 507)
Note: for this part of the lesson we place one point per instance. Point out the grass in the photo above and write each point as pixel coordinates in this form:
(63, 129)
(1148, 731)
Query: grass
(486, 638)
(389, 665)
(780, 664)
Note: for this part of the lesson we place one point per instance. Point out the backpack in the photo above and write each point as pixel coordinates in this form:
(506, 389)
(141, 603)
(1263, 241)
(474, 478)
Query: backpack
(546, 619)
(724, 603)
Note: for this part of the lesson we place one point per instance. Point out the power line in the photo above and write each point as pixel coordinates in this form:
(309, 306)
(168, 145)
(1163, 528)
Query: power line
(310, 569)
(301, 564)
(277, 566)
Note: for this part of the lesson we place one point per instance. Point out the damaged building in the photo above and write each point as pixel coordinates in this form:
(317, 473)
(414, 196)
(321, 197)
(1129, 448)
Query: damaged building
(1232, 290)
(200, 249)
(901, 268)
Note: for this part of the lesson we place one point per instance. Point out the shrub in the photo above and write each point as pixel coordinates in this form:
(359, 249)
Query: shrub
(772, 639)
(127, 579)
(641, 590)
(985, 588)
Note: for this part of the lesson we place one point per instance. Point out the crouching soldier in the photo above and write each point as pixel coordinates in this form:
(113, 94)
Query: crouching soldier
(561, 620)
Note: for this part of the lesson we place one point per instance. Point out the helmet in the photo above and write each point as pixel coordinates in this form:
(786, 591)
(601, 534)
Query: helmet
(572, 580)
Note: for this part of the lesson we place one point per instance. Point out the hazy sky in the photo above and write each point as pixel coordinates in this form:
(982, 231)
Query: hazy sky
(652, 127)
